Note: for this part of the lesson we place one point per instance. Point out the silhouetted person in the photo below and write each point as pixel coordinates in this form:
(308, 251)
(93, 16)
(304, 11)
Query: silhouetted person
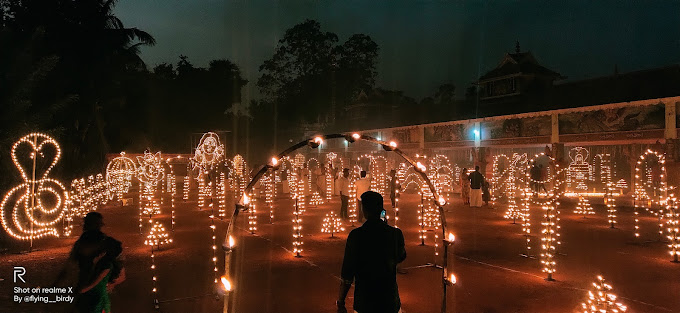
(343, 183)
(99, 267)
(393, 188)
(476, 180)
(372, 253)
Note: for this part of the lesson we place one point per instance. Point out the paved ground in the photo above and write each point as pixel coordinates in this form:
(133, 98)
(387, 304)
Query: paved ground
(492, 276)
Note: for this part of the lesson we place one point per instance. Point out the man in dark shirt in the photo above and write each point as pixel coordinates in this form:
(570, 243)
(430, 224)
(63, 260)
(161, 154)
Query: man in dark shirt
(372, 253)
(476, 180)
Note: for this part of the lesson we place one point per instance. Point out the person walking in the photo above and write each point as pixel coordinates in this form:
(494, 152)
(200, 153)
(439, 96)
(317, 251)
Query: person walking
(343, 186)
(99, 266)
(476, 180)
(465, 186)
(363, 185)
(393, 188)
(372, 253)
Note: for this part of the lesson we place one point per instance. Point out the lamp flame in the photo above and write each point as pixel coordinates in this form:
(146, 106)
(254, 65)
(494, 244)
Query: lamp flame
(225, 283)
(452, 279)
(452, 237)
(232, 242)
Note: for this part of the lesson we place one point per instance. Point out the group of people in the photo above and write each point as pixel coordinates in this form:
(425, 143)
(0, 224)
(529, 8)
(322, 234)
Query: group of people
(372, 252)
(474, 188)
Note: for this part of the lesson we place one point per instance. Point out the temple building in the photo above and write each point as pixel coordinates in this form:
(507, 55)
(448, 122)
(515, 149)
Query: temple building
(520, 84)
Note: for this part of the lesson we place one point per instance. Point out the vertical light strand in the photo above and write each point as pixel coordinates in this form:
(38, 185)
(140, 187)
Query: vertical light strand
(673, 227)
(610, 201)
(549, 239)
(141, 204)
(172, 200)
(329, 182)
(513, 211)
(297, 228)
(252, 217)
(154, 289)
(526, 219)
(214, 240)
(201, 191)
(396, 206)
(222, 198)
(352, 201)
(269, 188)
(421, 219)
(185, 188)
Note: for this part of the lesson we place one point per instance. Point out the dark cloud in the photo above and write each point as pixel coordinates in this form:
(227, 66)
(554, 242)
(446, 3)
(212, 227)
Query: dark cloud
(423, 43)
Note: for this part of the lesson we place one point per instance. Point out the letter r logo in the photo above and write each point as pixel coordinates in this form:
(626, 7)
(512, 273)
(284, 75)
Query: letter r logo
(19, 271)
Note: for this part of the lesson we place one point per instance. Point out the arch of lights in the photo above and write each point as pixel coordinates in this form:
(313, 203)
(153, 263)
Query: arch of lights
(650, 187)
(549, 203)
(229, 245)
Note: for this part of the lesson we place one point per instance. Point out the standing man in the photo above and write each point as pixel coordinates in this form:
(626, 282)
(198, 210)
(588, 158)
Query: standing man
(363, 185)
(476, 181)
(393, 188)
(372, 253)
(343, 183)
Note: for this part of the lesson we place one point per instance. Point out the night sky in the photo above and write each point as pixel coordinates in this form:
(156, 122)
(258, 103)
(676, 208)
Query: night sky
(422, 43)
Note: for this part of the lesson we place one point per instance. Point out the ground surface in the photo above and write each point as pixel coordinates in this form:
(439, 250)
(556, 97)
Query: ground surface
(492, 276)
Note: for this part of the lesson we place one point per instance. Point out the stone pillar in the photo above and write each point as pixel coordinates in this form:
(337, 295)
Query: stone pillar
(558, 153)
(481, 159)
(671, 128)
(554, 128)
(634, 151)
(671, 146)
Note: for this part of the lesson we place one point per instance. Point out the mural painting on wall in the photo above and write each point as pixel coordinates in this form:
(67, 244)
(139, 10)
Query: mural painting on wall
(453, 132)
(405, 135)
(517, 127)
(612, 120)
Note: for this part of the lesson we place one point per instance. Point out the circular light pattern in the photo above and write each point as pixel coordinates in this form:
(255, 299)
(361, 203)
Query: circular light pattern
(31, 209)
